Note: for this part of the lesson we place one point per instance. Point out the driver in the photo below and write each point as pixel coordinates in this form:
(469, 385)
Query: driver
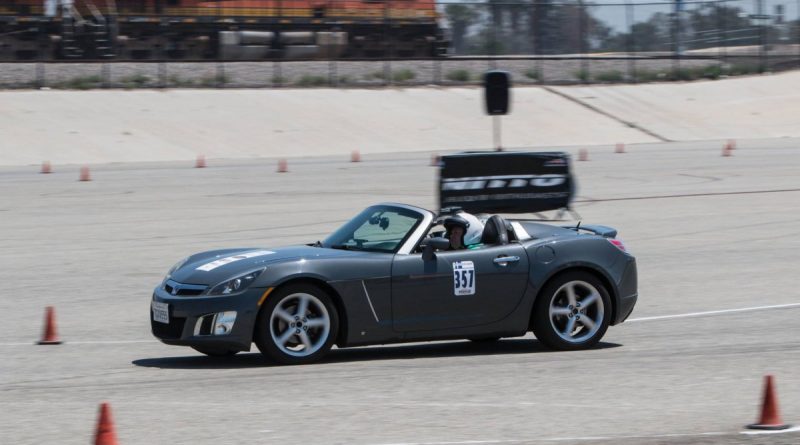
(463, 230)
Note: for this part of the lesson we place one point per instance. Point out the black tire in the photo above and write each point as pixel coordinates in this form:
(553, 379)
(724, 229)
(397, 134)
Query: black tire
(553, 329)
(215, 352)
(272, 325)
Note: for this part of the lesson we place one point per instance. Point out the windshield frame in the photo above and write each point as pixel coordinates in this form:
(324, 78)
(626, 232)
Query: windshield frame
(406, 244)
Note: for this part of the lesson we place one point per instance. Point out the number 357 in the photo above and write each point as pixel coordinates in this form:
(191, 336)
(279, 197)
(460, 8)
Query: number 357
(464, 278)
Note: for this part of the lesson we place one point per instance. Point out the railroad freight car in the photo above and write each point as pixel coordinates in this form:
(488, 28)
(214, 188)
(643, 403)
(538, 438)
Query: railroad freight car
(226, 29)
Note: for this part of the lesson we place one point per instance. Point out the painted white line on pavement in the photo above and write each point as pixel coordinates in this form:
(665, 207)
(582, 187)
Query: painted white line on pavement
(87, 342)
(787, 430)
(560, 439)
(724, 311)
(630, 320)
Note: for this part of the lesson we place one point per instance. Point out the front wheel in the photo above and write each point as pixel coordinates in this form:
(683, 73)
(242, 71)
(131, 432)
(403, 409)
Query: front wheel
(297, 324)
(572, 312)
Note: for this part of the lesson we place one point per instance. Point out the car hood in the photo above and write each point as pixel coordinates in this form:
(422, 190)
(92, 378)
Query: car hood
(213, 267)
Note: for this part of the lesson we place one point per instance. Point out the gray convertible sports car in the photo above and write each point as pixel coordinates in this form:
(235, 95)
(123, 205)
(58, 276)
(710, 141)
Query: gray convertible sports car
(391, 274)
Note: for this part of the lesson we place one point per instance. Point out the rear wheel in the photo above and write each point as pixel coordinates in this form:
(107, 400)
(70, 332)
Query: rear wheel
(297, 324)
(572, 312)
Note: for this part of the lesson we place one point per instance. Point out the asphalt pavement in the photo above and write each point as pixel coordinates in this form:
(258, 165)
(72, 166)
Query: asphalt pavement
(716, 239)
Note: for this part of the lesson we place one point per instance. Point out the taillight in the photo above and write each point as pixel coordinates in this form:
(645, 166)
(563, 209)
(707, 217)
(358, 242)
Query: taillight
(620, 245)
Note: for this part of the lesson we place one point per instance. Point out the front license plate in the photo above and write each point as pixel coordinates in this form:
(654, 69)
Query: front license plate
(160, 312)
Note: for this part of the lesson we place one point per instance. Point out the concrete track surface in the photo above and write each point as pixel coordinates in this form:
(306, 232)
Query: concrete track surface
(88, 127)
(711, 234)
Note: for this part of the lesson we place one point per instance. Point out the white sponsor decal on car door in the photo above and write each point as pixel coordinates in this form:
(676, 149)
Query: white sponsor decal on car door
(223, 261)
(464, 278)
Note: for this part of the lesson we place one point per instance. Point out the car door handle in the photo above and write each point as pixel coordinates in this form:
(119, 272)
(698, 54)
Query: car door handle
(503, 260)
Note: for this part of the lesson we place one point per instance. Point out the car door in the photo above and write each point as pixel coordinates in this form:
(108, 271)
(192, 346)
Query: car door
(458, 288)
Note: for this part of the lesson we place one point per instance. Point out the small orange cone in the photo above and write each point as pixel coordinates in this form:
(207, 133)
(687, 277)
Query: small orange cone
(201, 162)
(283, 167)
(732, 144)
(770, 415)
(435, 160)
(85, 174)
(355, 156)
(726, 151)
(105, 427)
(50, 336)
(46, 168)
(620, 148)
(583, 154)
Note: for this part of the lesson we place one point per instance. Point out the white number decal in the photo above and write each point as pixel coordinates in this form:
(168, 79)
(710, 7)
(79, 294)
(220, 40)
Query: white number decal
(463, 278)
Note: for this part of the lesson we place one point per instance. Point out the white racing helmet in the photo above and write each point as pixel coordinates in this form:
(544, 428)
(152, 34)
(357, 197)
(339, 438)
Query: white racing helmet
(473, 227)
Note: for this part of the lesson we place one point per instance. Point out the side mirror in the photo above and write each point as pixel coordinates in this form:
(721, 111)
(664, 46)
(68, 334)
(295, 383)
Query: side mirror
(432, 244)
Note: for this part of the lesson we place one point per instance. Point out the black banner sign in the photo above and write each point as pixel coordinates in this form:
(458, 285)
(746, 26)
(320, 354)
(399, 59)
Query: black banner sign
(505, 182)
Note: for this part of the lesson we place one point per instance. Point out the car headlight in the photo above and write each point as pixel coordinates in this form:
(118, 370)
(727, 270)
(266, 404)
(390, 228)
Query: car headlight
(236, 284)
(177, 266)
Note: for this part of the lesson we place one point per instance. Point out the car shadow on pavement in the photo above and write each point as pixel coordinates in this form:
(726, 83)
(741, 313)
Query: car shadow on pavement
(366, 353)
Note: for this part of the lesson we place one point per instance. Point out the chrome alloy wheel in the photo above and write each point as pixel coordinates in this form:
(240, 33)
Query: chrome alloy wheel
(300, 324)
(576, 311)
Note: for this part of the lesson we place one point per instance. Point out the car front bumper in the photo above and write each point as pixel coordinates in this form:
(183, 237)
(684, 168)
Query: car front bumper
(189, 319)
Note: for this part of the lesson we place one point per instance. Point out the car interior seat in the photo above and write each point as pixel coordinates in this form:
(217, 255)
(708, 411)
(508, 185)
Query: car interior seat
(494, 231)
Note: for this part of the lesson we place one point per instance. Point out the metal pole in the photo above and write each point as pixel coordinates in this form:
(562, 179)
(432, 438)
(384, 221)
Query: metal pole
(762, 47)
(162, 69)
(387, 64)
(40, 56)
(583, 47)
(493, 44)
(220, 64)
(497, 133)
(629, 41)
(676, 39)
(723, 40)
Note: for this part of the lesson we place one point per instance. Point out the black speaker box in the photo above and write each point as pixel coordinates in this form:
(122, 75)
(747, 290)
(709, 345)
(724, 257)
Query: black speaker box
(497, 88)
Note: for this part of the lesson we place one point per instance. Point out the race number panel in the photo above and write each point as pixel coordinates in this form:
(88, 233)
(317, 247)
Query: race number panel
(463, 278)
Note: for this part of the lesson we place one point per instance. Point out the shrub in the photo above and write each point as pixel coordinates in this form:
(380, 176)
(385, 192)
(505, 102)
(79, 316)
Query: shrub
(135, 81)
(459, 75)
(213, 81)
(609, 76)
(582, 75)
(81, 83)
(649, 75)
(310, 80)
(403, 75)
(533, 74)
(375, 75)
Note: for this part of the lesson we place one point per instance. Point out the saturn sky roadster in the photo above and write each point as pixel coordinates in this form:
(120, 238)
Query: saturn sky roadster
(388, 275)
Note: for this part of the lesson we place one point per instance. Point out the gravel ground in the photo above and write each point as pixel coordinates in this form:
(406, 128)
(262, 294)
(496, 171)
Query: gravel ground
(339, 73)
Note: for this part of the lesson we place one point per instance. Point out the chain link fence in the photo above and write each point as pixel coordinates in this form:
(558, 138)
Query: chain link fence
(552, 42)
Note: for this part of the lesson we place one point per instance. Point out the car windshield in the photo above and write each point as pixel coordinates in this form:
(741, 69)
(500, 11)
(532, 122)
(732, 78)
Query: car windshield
(379, 228)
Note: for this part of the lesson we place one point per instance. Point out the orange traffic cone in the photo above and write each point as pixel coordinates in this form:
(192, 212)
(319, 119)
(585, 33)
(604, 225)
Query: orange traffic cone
(770, 415)
(201, 162)
(85, 174)
(732, 144)
(50, 336)
(620, 148)
(726, 150)
(105, 427)
(283, 167)
(583, 154)
(355, 156)
(46, 168)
